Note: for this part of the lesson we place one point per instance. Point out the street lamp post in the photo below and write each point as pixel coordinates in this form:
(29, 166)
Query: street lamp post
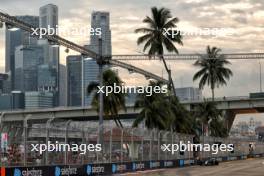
(101, 100)
(82, 75)
(260, 77)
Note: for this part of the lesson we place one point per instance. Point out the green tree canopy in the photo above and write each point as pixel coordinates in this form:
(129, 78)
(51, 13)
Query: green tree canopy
(114, 102)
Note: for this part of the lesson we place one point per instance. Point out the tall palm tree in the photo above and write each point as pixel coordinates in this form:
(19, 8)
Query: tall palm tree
(156, 36)
(155, 112)
(206, 113)
(114, 102)
(212, 70)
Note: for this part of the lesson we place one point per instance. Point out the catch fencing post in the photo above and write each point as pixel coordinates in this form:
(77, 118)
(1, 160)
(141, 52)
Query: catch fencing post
(25, 126)
(132, 142)
(83, 141)
(167, 140)
(159, 146)
(110, 144)
(142, 145)
(48, 123)
(1, 130)
(66, 142)
(121, 154)
(172, 139)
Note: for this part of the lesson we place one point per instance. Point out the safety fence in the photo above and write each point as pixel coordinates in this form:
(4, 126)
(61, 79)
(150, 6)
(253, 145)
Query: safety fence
(122, 149)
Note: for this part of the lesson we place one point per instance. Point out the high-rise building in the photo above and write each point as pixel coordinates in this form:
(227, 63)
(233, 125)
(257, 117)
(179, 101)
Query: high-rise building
(27, 60)
(48, 18)
(74, 80)
(79, 76)
(6, 84)
(101, 20)
(80, 73)
(15, 38)
(6, 102)
(38, 100)
(48, 15)
(46, 78)
(18, 100)
(63, 86)
(3, 78)
(12, 101)
(188, 93)
(90, 74)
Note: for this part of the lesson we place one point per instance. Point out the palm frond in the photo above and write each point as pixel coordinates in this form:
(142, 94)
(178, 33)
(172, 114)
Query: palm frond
(144, 38)
(92, 87)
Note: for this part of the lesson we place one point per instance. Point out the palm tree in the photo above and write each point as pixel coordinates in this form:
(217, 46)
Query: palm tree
(155, 112)
(114, 102)
(183, 121)
(217, 128)
(206, 113)
(156, 36)
(212, 70)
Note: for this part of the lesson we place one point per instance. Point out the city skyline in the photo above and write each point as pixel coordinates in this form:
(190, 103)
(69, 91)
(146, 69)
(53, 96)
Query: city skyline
(240, 15)
(97, 88)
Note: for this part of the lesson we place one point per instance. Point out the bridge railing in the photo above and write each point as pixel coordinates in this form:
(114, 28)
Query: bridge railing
(119, 145)
(217, 99)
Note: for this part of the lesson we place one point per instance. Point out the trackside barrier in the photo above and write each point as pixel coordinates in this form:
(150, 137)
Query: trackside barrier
(90, 169)
(105, 168)
(123, 149)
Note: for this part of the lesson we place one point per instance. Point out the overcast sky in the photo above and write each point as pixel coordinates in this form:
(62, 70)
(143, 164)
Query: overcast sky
(245, 17)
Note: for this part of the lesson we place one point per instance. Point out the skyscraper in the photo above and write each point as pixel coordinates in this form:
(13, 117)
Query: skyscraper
(82, 71)
(14, 39)
(48, 16)
(27, 60)
(37, 100)
(90, 74)
(63, 86)
(13, 100)
(3, 78)
(74, 80)
(46, 78)
(101, 20)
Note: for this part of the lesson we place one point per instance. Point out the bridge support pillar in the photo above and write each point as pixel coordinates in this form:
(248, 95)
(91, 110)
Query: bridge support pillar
(229, 118)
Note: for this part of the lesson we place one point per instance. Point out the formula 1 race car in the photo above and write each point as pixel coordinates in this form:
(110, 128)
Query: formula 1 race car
(208, 162)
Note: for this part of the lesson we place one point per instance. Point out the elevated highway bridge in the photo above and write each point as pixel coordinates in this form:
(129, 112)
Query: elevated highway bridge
(63, 113)
(231, 105)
